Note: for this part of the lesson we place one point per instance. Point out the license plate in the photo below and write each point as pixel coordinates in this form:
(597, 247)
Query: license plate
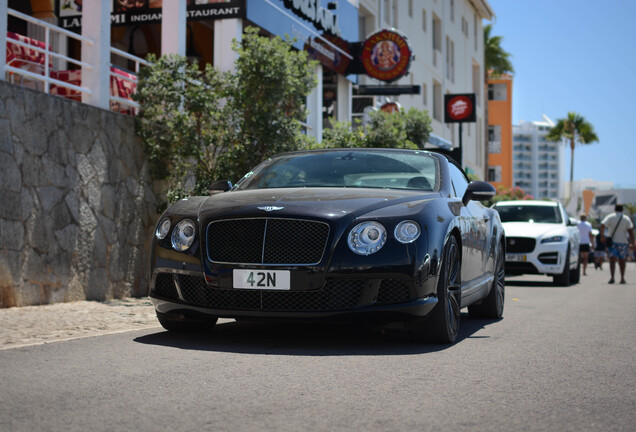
(261, 279)
(515, 258)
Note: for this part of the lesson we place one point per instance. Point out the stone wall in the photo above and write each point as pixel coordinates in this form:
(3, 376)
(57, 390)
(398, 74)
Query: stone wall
(77, 207)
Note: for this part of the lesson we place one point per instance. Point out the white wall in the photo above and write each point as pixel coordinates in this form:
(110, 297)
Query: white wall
(423, 70)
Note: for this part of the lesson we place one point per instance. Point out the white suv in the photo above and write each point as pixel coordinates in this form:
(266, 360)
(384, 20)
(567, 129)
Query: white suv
(540, 239)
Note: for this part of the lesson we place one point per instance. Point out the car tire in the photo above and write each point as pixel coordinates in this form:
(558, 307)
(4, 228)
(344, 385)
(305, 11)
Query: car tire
(180, 324)
(563, 279)
(442, 324)
(493, 305)
(575, 275)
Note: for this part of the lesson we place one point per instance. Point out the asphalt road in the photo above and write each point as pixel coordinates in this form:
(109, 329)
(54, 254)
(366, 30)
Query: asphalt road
(561, 359)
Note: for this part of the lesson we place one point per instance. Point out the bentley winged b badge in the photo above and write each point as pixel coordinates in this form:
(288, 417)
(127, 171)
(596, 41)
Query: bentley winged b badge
(270, 208)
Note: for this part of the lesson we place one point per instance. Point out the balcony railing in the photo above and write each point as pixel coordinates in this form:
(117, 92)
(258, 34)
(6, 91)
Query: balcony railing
(29, 62)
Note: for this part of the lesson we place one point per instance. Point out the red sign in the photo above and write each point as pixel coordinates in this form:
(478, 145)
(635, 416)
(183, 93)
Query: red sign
(390, 107)
(386, 55)
(460, 108)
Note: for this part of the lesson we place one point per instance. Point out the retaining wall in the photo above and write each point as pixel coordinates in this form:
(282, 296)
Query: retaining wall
(77, 207)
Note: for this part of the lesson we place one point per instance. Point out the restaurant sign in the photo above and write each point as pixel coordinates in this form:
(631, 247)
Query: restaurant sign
(311, 10)
(460, 108)
(136, 12)
(386, 55)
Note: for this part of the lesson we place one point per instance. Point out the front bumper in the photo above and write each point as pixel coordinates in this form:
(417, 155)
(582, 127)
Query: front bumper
(390, 298)
(546, 258)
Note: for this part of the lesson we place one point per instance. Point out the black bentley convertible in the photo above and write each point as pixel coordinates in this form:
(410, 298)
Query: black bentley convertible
(339, 234)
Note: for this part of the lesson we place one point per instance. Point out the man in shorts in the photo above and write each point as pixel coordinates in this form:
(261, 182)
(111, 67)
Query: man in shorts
(617, 226)
(585, 231)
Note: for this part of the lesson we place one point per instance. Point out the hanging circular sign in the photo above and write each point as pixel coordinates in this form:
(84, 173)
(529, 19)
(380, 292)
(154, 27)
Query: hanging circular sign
(460, 108)
(386, 55)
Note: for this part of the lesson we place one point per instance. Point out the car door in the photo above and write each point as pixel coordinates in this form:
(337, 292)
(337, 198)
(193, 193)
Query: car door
(473, 220)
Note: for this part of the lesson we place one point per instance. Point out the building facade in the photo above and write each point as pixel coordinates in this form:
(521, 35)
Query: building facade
(446, 37)
(537, 162)
(447, 40)
(500, 131)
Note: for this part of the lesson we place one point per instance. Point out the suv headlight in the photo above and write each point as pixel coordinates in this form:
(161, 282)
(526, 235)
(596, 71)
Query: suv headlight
(553, 239)
(183, 235)
(367, 238)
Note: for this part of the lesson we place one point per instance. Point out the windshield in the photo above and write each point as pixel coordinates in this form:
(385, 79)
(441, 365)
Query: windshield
(355, 169)
(529, 213)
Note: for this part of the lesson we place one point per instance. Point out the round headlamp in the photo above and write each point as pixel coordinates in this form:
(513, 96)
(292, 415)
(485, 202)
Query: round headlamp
(183, 235)
(367, 238)
(163, 228)
(407, 231)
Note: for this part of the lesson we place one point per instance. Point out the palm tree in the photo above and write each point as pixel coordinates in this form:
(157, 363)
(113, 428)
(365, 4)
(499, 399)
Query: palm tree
(496, 59)
(575, 129)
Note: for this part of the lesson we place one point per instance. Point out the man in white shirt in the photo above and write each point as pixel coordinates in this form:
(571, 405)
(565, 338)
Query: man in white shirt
(585, 230)
(618, 227)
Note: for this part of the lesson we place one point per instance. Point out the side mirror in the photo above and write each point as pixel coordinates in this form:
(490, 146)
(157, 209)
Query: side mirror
(478, 191)
(220, 186)
(572, 221)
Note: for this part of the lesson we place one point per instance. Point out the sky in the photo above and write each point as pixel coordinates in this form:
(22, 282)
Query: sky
(577, 55)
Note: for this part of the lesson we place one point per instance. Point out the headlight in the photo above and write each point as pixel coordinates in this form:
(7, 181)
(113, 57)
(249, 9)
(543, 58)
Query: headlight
(162, 229)
(367, 238)
(553, 239)
(407, 231)
(183, 235)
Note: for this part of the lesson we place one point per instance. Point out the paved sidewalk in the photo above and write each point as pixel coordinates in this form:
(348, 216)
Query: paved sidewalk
(33, 325)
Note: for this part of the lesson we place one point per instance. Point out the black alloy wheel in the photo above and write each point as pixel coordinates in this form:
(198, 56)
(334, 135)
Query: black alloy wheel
(442, 325)
(493, 305)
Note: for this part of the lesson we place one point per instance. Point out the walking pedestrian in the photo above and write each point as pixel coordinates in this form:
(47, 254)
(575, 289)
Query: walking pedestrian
(619, 227)
(586, 239)
(599, 253)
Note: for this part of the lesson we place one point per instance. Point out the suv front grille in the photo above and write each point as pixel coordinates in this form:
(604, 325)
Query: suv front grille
(520, 244)
(267, 241)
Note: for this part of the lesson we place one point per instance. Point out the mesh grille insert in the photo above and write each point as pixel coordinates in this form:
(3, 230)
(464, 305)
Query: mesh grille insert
(165, 287)
(334, 295)
(394, 291)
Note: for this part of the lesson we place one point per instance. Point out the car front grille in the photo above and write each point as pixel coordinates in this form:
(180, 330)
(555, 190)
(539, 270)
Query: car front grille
(334, 295)
(267, 241)
(520, 244)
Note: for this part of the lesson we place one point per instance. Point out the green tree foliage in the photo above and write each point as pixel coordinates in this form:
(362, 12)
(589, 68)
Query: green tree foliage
(199, 126)
(179, 119)
(341, 135)
(268, 92)
(573, 129)
(409, 129)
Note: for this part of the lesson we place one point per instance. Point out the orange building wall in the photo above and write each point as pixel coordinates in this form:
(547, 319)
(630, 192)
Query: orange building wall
(500, 113)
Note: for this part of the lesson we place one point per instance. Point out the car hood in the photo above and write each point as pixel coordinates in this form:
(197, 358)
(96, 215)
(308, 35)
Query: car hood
(322, 203)
(533, 230)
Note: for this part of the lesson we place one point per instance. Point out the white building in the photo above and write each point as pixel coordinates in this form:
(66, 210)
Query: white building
(598, 198)
(537, 162)
(447, 40)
